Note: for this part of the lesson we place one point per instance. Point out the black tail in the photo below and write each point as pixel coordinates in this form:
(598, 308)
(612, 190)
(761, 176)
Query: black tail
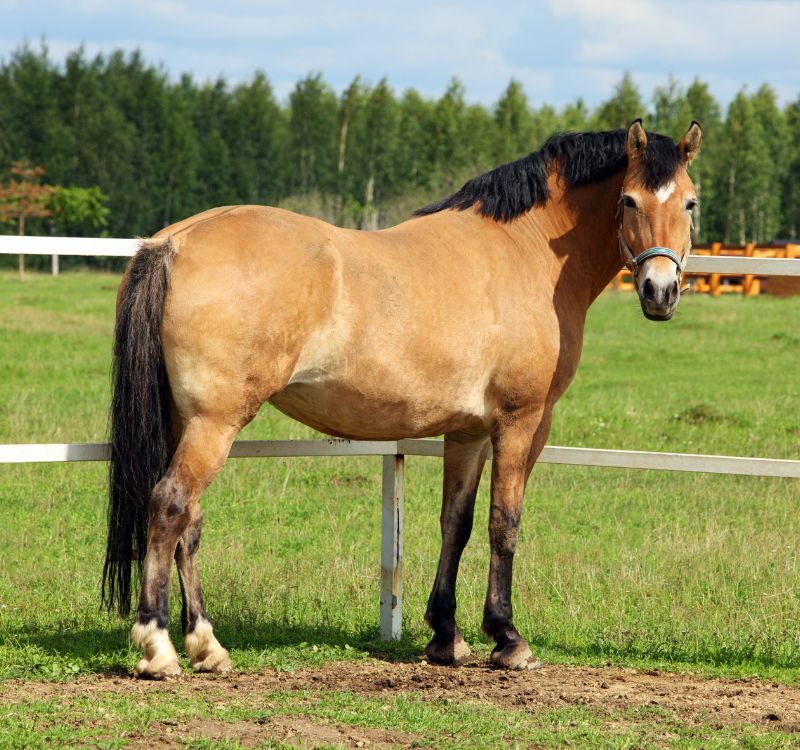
(140, 439)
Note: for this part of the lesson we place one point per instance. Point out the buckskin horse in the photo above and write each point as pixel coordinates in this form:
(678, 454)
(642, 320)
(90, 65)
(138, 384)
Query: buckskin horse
(467, 321)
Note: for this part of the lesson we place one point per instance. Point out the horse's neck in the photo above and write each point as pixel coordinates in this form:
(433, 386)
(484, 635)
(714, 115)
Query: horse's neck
(579, 226)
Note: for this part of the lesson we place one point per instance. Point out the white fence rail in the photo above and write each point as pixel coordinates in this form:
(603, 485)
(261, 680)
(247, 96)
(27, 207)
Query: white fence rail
(394, 452)
(117, 248)
(13, 245)
(30, 453)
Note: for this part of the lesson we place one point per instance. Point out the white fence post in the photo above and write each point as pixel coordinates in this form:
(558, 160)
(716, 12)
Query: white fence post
(392, 547)
(54, 265)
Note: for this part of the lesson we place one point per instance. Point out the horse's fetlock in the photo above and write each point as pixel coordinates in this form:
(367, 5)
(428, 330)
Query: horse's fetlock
(497, 621)
(148, 618)
(440, 614)
(204, 650)
(152, 637)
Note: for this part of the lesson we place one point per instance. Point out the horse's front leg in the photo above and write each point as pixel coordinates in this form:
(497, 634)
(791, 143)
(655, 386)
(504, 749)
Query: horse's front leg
(516, 447)
(464, 457)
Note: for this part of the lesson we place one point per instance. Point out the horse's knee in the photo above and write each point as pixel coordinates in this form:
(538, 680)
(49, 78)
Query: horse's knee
(504, 530)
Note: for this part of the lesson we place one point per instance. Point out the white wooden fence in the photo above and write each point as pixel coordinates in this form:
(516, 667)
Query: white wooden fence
(394, 451)
(55, 246)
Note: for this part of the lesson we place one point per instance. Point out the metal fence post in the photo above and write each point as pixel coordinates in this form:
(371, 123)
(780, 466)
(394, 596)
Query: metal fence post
(392, 547)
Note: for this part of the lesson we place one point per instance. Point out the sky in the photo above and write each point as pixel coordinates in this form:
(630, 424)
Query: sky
(559, 50)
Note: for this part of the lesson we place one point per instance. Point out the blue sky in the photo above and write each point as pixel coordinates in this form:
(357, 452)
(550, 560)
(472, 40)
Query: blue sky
(559, 49)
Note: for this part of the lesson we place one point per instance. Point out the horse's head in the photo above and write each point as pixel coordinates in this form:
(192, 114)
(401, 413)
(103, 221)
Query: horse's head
(655, 216)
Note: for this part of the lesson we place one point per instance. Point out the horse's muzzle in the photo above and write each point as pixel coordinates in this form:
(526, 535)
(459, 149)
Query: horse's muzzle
(659, 296)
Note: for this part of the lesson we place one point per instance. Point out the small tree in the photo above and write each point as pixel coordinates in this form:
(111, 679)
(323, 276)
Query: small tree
(22, 197)
(78, 208)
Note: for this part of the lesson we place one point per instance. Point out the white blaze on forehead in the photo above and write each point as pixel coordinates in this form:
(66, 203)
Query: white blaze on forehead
(663, 193)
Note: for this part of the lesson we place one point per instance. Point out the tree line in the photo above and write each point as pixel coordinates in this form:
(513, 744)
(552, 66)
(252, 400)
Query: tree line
(161, 149)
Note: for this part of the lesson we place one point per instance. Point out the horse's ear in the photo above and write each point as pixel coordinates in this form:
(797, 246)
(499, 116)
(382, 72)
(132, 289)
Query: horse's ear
(636, 140)
(690, 143)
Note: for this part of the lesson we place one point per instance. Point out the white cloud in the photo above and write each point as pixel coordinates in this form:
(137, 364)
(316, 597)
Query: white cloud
(558, 49)
(621, 31)
(680, 33)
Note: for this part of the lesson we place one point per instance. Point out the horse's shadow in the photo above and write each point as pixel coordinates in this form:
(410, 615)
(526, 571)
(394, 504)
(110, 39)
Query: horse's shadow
(273, 644)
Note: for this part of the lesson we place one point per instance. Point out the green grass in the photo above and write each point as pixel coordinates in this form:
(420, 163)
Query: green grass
(649, 569)
(112, 721)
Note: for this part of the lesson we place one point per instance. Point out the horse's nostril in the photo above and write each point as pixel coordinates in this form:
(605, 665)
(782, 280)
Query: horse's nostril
(674, 291)
(648, 290)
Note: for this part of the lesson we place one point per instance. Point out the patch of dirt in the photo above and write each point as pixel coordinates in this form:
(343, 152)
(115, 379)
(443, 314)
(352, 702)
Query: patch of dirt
(297, 731)
(686, 698)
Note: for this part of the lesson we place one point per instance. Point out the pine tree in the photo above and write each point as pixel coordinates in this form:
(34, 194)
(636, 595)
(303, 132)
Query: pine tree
(623, 107)
(415, 159)
(313, 127)
(709, 219)
(575, 117)
(514, 125)
(382, 118)
(448, 146)
(254, 135)
(744, 159)
(790, 189)
(766, 201)
(671, 110)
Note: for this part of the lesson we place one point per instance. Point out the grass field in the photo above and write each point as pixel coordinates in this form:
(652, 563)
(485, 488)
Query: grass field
(636, 569)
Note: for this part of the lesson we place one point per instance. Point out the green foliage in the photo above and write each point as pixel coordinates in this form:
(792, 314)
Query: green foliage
(623, 107)
(163, 149)
(790, 189)
(78, 211)
(313, 118)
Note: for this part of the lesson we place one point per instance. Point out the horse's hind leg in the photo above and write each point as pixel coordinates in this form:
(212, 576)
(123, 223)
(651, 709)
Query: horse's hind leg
(464, 457)
(174, 517)
(202, 647)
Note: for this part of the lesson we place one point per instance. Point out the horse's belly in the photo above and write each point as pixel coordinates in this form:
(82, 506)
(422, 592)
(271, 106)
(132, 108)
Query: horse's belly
(345, 410)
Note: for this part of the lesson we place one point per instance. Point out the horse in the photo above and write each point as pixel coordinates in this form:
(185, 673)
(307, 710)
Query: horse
(465, 321)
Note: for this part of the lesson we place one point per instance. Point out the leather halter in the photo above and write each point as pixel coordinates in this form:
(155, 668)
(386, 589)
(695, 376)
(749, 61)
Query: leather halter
(634, 262)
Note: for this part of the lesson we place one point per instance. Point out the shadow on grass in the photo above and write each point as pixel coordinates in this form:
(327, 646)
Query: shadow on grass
(32, 652)
(276, 635)
(29, 652)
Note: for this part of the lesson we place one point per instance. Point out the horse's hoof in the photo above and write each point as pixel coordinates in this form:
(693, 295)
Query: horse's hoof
(516, 655)
(157, 669)
(217, 661)
(451, 653)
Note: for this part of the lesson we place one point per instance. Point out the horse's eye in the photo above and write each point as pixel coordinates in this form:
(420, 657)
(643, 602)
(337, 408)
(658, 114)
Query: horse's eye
(691, 204)
(628, 202)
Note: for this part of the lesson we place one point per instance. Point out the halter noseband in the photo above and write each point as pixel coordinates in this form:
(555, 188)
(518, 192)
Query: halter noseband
(633, 262)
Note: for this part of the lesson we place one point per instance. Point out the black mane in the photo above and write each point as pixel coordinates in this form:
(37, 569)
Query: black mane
(580, 158)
